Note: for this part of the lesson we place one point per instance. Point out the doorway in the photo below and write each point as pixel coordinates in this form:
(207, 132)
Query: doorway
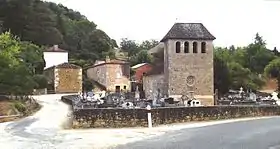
(118, 89)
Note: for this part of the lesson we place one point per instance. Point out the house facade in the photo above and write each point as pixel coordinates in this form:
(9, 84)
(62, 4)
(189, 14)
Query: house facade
(140, 70)
(110, 75)
(54, 56)
(185, 63)
(64, 78)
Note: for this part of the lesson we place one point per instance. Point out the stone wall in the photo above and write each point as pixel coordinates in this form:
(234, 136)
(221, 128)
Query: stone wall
(178, 66)
(98, 74)
(68, 80)
(111, 75)
(92, 118)
(118, 75)
(151, 84)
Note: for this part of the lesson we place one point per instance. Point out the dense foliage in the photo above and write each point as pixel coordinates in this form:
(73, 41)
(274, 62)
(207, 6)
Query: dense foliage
(46, 23)
(19, 66)
(242, 66)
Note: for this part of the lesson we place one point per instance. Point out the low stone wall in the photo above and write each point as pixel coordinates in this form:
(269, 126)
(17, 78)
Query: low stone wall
(91, 118)
(67, 99)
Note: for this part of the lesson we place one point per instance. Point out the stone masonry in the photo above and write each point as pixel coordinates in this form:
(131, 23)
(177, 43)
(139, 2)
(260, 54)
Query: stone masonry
(112, 75)
(184, 69)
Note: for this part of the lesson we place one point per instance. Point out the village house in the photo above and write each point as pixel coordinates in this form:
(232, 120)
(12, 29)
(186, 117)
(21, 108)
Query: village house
(184, 64)
(54, 56)
(140, 70)
(64, 78)
(110, 75)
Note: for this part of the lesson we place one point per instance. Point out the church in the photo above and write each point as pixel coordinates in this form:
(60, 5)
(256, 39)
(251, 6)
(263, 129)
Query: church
(183, 64)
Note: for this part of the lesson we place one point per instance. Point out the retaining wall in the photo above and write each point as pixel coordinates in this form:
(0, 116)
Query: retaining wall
(91, 118)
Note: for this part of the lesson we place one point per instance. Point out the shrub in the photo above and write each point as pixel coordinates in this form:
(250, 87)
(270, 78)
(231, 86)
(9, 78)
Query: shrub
(41, 81)
(20, 107)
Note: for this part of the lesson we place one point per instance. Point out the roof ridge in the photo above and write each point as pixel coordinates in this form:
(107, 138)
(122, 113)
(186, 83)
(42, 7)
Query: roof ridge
(195, 31)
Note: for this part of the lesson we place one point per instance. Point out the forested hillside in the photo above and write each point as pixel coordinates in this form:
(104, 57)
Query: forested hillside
(47, 24)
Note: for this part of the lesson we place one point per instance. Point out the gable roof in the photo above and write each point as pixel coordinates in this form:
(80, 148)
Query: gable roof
(139, 65)
(193, 31)
(113, 61)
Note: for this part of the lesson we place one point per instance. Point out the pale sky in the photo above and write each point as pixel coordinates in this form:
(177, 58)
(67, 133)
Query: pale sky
(232, 22)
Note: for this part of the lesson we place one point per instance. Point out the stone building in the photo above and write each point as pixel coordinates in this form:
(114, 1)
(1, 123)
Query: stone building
(184, 64)
(110, 75)
(64, 78)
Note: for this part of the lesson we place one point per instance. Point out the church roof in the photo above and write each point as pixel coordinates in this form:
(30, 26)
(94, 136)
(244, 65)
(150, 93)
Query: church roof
(190, 31)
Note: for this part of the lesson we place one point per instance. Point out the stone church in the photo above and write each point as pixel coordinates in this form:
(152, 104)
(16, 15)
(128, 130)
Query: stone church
(183, 64)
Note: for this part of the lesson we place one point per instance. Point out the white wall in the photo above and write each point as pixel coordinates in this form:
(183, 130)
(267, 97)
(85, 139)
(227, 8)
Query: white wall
(55, 58)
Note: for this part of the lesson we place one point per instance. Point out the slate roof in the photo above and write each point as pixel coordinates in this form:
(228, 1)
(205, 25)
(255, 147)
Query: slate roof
(190, 31)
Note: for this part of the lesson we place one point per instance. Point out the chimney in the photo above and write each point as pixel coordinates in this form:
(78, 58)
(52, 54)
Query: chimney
(107, 59)
(55, 47)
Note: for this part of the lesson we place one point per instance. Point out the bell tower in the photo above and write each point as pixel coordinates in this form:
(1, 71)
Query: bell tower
(188, 62)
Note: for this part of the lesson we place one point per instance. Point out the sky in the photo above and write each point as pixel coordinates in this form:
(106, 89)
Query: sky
(232, 22)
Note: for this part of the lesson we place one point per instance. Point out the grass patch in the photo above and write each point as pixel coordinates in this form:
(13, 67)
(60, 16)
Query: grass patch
(17, 107)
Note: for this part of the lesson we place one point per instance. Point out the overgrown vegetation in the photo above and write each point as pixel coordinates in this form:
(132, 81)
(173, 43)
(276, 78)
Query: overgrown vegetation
(237, 67)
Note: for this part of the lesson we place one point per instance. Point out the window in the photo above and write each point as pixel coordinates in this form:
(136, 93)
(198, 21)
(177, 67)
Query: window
(124, 87)
(186, 47)
(203, 47)
(178, 47)
(194, 47)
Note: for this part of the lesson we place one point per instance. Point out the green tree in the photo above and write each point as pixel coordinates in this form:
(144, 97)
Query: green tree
(221, 75)
(17, 65)
(41, 81)
(33, 57)
(129, 46)
(257, 56)
(273, 70)
(141, 57)
(148, 44)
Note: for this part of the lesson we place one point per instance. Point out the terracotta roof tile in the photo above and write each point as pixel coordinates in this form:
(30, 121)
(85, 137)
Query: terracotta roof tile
(68, 65)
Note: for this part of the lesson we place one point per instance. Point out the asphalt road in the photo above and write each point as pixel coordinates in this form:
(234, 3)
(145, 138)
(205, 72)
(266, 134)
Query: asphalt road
(256, 134)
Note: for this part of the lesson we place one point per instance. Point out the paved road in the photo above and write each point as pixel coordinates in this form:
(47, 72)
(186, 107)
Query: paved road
(256, 134)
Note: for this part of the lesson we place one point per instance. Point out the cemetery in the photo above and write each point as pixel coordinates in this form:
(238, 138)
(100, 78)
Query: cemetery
(124, 110)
